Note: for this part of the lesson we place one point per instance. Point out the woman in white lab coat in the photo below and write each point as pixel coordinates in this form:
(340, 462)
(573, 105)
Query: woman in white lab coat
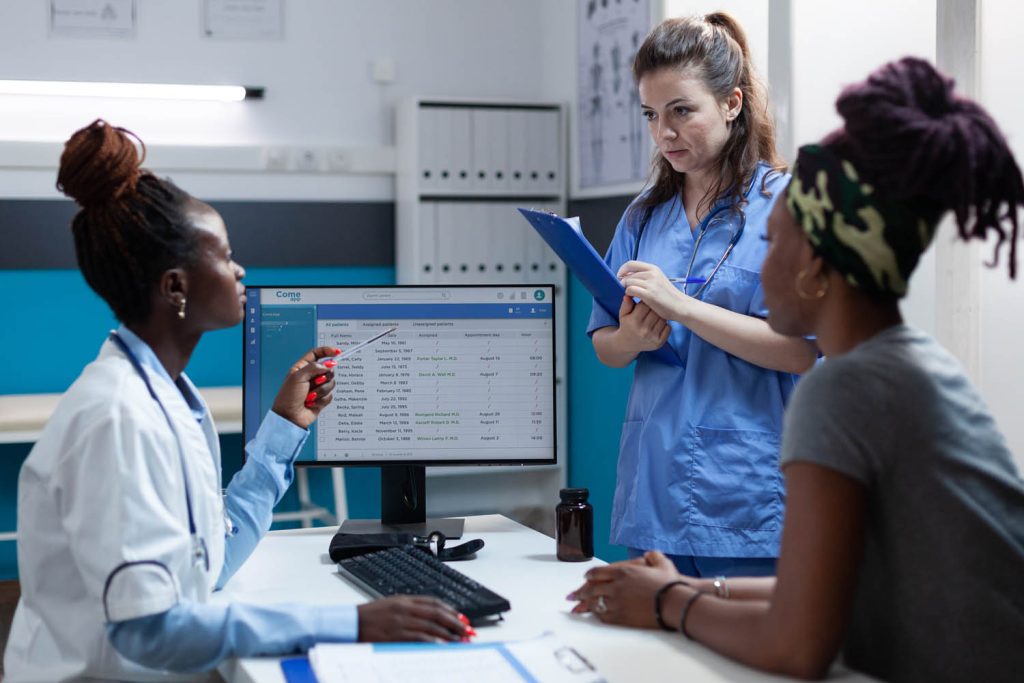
(123, 531)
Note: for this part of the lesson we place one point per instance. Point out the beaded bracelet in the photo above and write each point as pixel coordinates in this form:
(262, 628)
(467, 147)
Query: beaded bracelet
(657, 602)
(686, 609)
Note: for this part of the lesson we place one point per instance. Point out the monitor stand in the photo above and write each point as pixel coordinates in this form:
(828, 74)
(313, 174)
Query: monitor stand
(403, 507)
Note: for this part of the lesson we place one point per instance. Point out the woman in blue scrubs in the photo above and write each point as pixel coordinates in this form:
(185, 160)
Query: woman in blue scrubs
(903, 546)
(698, 475)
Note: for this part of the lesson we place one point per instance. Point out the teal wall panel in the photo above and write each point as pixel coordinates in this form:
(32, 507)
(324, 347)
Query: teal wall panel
(57, 326)
(56, 307)
(597, 404)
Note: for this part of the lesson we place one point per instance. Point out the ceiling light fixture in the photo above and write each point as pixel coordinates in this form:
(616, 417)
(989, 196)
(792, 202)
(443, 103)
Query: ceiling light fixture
(152, 91)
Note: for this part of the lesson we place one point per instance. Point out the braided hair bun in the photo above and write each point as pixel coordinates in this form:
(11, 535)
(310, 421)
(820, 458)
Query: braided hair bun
(100, 164)
(132, 226)
(918, 142)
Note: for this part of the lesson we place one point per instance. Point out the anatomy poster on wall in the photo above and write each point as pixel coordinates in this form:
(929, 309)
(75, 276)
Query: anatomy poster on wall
(613, 143)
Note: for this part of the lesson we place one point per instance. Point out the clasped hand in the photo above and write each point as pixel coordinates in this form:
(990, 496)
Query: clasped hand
(646, 282)
(623, 592)
(641, 328)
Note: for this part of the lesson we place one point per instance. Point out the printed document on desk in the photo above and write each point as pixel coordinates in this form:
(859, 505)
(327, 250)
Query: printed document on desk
(565, 237)
(544, 659)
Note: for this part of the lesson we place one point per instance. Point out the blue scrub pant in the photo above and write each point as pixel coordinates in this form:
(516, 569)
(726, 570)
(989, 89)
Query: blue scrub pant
(710, 567)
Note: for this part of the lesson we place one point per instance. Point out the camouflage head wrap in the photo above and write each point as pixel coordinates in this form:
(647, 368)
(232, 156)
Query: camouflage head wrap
(876, 244)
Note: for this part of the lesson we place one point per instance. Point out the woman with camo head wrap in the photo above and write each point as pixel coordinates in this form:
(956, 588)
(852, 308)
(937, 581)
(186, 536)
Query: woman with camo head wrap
(903, 543)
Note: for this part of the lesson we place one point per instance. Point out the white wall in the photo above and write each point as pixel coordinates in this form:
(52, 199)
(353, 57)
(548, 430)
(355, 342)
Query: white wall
(838, 42)
(1002, 300)
(319, 88)
(752, 15)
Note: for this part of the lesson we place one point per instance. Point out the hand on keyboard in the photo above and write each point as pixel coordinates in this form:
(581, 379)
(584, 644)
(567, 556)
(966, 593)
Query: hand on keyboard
(407, 570)
(410, 618)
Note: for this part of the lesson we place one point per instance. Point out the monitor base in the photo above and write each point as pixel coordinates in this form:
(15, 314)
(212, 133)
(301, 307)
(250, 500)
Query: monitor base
(449, 526)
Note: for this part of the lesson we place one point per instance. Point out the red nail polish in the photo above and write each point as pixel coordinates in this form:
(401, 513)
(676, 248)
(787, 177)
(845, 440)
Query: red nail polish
(464, 619)
(330, 363)
(471, 632)
(320, 380)
(463, 640)
(337, 352)
(311, 397)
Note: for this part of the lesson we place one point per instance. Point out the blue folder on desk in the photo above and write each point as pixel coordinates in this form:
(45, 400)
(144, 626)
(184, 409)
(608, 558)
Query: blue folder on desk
(298, 670)
(568, 241)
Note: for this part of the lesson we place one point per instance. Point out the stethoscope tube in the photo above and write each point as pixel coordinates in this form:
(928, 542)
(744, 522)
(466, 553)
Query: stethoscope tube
(705, 224)
(200, 556)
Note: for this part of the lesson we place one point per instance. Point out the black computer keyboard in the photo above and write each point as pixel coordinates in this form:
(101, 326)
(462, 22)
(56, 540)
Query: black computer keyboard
(408, 570)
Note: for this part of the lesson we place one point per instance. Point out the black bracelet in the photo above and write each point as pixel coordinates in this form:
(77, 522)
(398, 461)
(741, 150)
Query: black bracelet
(657, 602)
(686, 609)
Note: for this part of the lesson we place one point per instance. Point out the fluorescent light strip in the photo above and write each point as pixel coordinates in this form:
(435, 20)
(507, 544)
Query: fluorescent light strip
(153, 91)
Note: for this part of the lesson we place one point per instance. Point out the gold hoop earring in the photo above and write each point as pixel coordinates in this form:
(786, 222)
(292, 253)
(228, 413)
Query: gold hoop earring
(181, 310)
(822, 291)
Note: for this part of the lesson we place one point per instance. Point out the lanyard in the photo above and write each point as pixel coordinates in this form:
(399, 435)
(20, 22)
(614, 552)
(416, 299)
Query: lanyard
(200, 558)
(705, 224)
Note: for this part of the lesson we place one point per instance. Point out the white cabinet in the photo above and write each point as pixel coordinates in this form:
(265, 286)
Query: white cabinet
(464, 167)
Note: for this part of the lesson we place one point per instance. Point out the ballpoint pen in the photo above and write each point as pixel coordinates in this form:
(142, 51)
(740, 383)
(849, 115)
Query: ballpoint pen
(312, 397)
(688, 280)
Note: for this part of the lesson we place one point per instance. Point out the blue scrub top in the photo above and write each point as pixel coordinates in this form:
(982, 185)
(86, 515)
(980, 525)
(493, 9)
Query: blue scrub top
(698, 471)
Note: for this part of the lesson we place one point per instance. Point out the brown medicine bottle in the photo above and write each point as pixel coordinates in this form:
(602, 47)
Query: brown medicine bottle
(574, 526)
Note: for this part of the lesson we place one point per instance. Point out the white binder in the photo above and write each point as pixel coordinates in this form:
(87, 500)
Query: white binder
(499, 175)
(482, 172)
(518, 149)
(446, 256)
(428, 248)
(513, 239)
(536, 254)
(550, 152)
(461, 132)
(466, 245)
(445, 143)
(428, 171)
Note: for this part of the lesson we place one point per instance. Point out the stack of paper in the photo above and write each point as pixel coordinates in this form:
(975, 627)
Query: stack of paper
(541, 660)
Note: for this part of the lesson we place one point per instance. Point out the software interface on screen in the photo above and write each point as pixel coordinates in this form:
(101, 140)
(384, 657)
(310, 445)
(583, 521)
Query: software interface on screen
(466, 376)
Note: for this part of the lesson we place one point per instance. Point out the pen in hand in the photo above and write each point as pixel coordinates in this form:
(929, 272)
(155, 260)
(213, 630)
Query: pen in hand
(689, 280)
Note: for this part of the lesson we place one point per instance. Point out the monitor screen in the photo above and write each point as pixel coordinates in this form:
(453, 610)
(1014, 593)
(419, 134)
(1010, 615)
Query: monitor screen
(466, 377)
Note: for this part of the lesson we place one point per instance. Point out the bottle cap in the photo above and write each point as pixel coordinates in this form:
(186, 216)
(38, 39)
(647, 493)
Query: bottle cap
(574, 495)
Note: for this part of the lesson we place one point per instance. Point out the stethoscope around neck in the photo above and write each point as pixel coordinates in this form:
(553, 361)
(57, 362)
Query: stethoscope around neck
(705, 224)
(200, 555)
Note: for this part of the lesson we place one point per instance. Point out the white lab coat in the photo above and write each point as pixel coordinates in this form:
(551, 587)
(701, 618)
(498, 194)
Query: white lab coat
(102, 522)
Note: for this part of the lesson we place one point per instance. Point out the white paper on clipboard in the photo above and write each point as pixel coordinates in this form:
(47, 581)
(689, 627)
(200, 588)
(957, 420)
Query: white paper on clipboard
(544, 659)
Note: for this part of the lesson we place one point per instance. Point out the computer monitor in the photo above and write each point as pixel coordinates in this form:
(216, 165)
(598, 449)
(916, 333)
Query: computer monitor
(466, 378)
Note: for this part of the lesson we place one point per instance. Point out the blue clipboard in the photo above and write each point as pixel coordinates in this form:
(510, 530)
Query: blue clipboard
(298, 670)
(568, 241)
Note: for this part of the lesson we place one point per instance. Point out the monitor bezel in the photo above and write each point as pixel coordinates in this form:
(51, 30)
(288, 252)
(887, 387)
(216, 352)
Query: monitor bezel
(420, 462)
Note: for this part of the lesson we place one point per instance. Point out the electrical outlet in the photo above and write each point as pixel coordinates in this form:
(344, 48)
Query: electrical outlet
(308, 159)
(384, 70)
(338, 159)
(275, 158)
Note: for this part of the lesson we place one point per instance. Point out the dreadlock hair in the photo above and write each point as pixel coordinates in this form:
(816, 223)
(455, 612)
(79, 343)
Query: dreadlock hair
(132, 226)
(915, 141)
(714, 49)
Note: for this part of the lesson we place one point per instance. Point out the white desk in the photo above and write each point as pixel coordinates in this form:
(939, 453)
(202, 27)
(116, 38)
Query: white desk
(518, 563)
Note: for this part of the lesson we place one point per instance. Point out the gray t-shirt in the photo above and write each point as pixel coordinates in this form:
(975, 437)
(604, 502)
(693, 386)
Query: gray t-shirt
(940, 595)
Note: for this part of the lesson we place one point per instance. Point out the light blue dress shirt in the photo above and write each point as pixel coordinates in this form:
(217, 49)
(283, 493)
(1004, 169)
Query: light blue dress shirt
(196, 637)
(698, 470)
